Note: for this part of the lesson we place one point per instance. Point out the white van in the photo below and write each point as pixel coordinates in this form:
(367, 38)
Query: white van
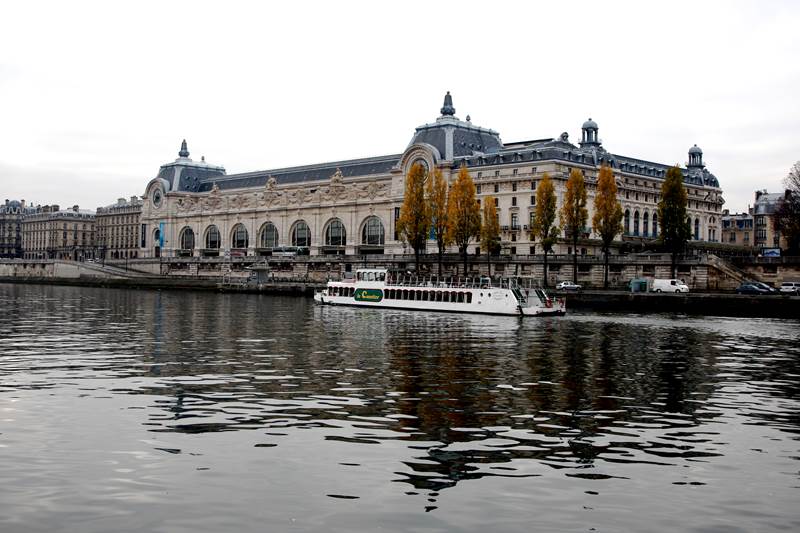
(669, 285)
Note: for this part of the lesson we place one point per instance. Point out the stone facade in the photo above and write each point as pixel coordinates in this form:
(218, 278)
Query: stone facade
(738, 229)
(351, 207)
(50, 233)
(118, 229)
(11, 214)
(763, 212)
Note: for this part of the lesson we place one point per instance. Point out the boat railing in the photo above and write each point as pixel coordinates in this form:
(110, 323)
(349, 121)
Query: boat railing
(482, 282)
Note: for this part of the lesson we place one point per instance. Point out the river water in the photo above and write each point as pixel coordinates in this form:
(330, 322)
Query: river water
(127, 410)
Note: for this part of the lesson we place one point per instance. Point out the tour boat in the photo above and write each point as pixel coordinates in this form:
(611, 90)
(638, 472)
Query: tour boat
(376, 287)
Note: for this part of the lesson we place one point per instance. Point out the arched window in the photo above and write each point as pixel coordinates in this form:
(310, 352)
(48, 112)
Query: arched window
(269, 236)
(335, 233)
(301, 235)
(212, 238)
(636, 223)
(627, 222)
(187, 239)
(372, 233)
(655, 225)
(239, 234)
(645, 223)
(697, 229)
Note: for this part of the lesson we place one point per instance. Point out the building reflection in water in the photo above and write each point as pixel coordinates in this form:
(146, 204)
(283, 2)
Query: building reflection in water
(471, 396)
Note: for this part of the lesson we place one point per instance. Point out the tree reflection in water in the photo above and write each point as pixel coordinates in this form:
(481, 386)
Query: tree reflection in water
(465, 396)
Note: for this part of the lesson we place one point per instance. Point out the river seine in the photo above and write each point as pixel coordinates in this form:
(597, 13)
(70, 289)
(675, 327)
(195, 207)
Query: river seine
(126, 411)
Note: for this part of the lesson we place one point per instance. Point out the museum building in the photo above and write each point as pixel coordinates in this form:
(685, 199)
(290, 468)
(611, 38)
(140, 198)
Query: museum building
(193, 208)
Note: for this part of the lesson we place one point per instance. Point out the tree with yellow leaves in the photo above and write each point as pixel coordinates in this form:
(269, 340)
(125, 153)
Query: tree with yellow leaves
(607, 218)
(574, 214)
(490, 230)
(415, 220)
(437, 207)
(463, 213)
(544, 228)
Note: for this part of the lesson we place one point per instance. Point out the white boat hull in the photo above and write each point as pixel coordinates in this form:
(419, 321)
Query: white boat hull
(444, 298)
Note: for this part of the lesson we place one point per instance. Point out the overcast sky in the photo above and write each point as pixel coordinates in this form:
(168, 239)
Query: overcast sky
(94, 97)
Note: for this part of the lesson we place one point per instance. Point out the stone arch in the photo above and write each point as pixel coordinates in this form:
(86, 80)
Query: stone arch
(240, 239)
(300, 234)
(212, 238)
(268, 235)
(427, 152)
(186, 238)
(373, 231)
(334, 233)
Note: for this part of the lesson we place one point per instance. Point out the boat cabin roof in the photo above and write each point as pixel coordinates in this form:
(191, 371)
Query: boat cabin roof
(371, 274)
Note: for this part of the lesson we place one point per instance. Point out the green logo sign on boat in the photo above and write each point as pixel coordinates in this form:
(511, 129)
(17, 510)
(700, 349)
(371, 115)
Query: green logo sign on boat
(369, 295)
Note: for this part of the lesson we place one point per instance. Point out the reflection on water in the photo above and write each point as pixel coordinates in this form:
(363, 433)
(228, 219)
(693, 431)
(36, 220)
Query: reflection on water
(323, 418)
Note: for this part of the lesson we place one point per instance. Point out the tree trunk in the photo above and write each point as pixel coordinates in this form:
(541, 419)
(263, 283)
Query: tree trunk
(544, 283)
(674, 260)
(416, 259)
(464, 255)
(440, 262)
(605, 268)
(575, 257)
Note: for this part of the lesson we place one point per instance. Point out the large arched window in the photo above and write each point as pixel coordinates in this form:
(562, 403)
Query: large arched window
(335, 233)
(645, 223)
(627, 222)
(301, 235)
(212, 238)
(372, 233)
(636, 223)
(239, 236)
(269, 236)
(187, 238)
(697, 229)
(655, 225)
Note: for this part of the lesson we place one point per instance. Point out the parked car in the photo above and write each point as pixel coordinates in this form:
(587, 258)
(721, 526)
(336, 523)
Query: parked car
(790, 287)
(768, 288)
(751, 288)
(669, 285)
(568, 286)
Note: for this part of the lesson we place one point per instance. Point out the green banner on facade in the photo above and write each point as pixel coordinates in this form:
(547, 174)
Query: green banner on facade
(369, 295)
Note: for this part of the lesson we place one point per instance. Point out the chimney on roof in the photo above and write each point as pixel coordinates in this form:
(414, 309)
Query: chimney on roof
(133, 200)
(758, 194)
(75, 208)
(22, 202)
(121, 201)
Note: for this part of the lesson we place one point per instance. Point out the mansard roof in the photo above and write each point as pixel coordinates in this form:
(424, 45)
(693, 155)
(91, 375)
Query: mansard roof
(450, 139)
(303, 174)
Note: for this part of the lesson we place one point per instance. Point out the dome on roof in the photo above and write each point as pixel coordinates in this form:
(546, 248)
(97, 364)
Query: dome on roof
(695, 150)
(589, 125)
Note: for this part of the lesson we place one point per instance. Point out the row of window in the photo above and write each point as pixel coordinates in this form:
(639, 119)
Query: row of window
(372, 234)
(428, 295)
(626, 224)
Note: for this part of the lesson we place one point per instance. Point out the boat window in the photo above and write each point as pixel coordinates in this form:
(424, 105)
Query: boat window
(382, 276)
(469, 297)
